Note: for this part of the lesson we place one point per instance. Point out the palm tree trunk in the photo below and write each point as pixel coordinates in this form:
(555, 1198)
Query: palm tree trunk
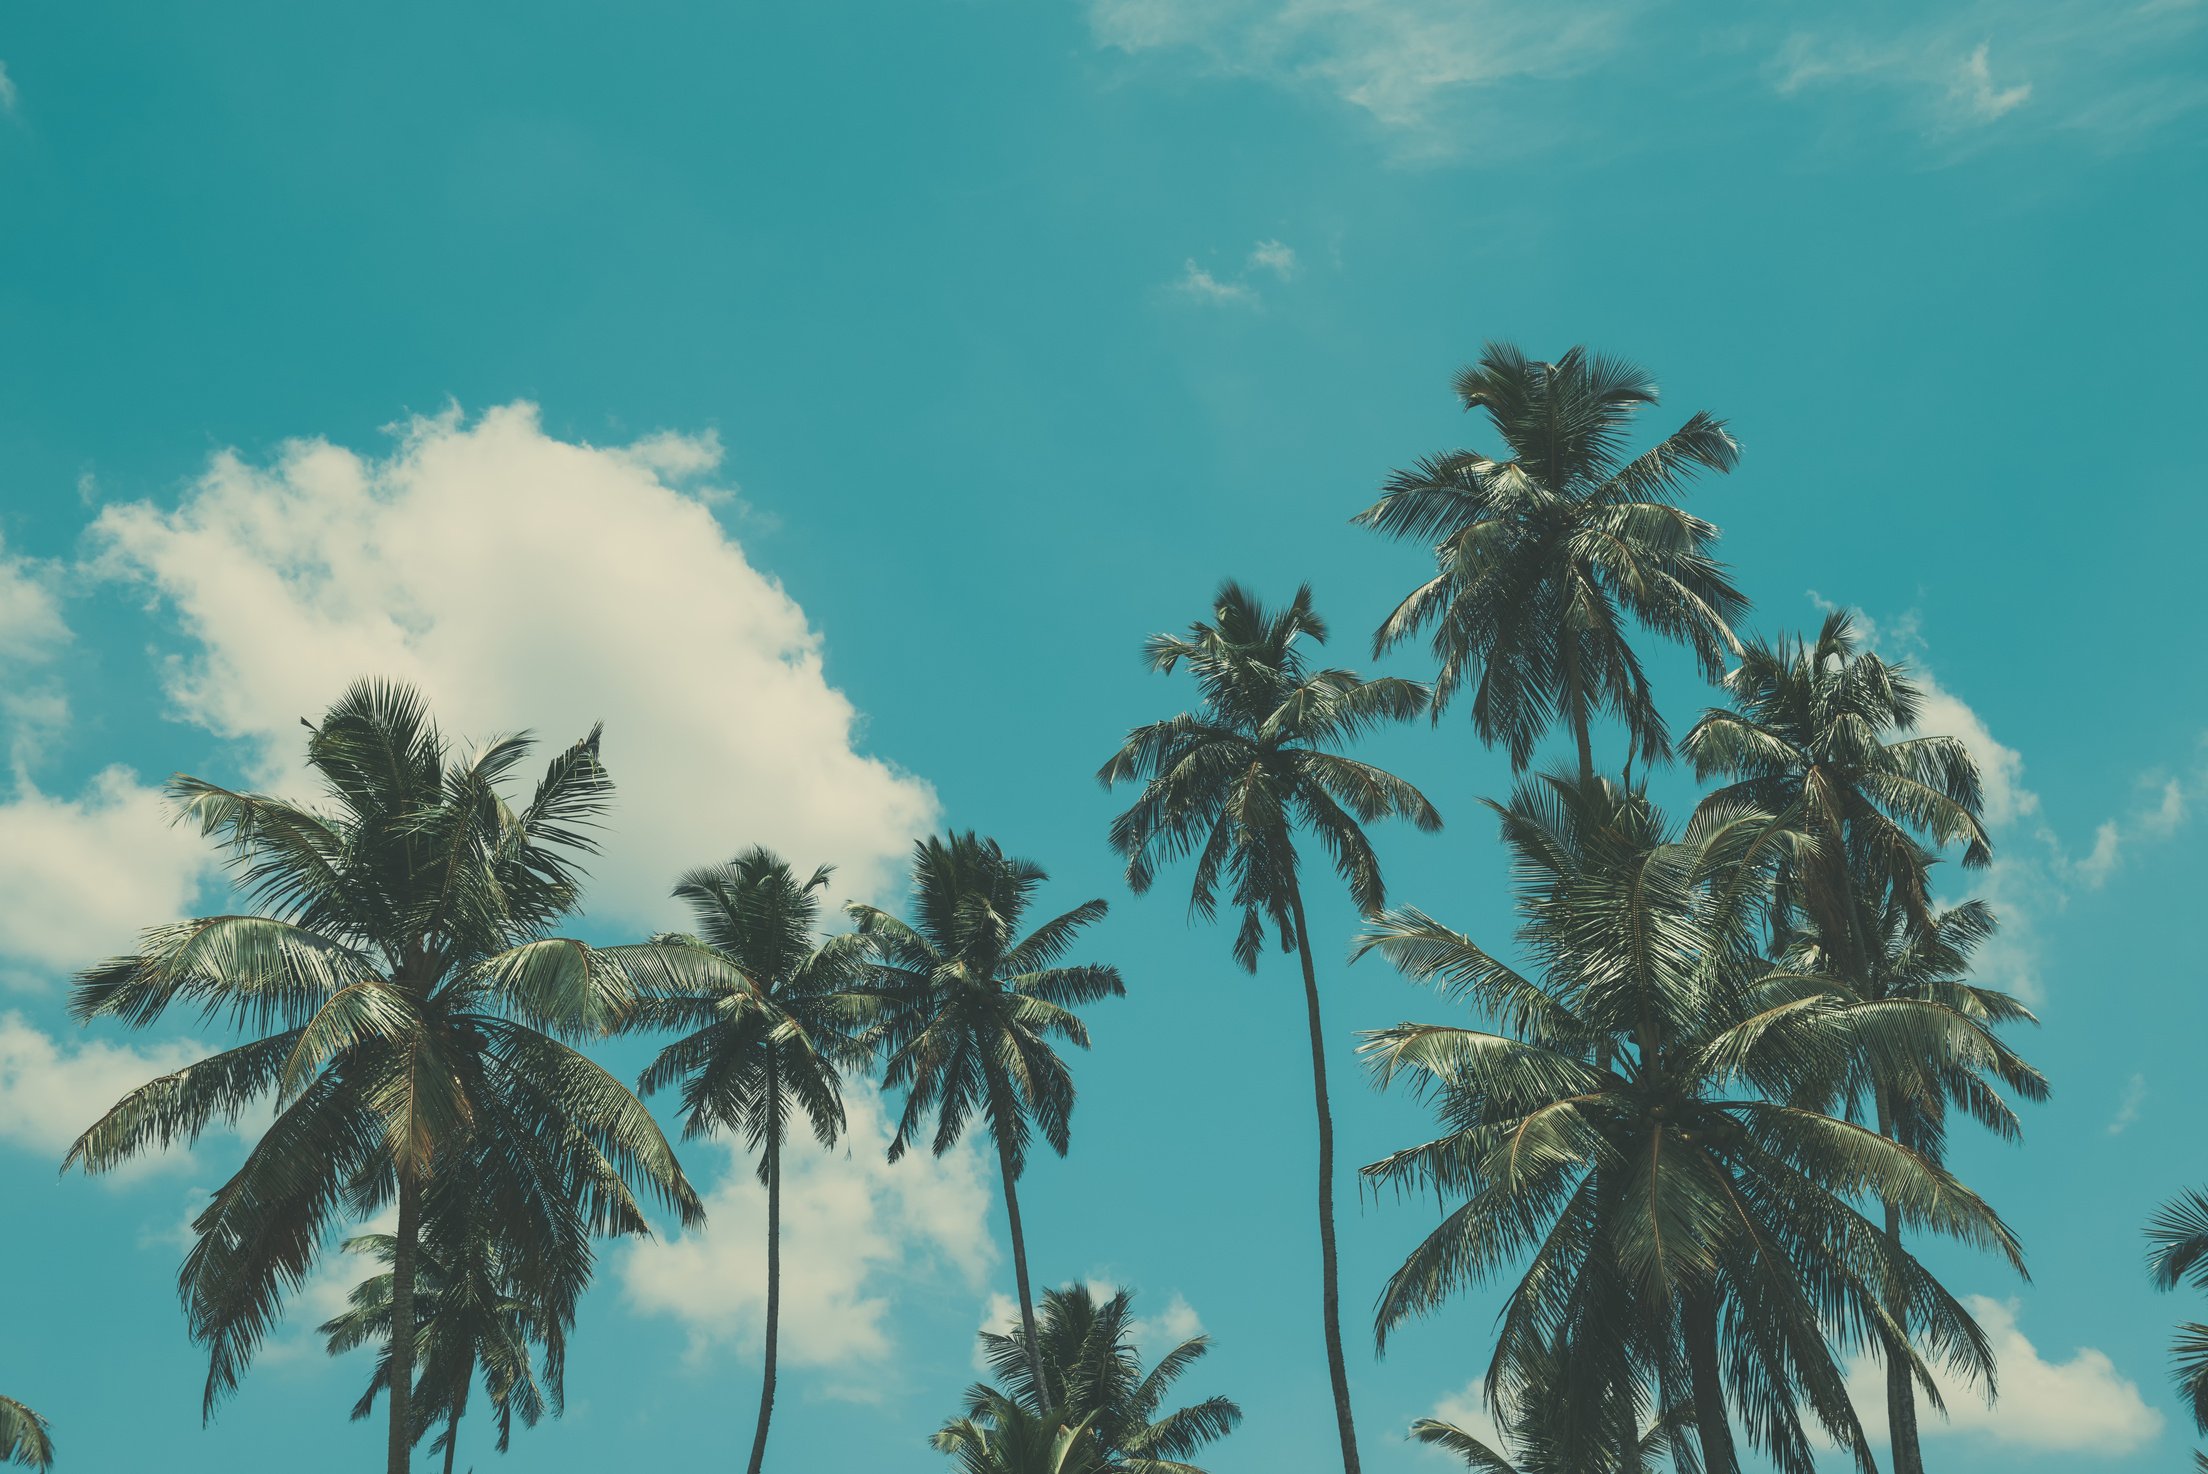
(400, 1453)
(1008, 1172)
(774, 1293)
(1712, 1427)
(1576, 710)
(1329, 1269)
(1906, 1453)
(452, 1438)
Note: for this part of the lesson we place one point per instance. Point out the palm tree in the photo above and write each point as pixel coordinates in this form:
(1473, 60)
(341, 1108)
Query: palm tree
(24, 1438)
(998, 1436)
(1824, 731)
(1543, 558)
(403, 997)
(2179, 1236)
(964, 1010)
(1634, 1130)
(1232, 783)
(470, 1319)
(764, 1017)
(1093, 1376)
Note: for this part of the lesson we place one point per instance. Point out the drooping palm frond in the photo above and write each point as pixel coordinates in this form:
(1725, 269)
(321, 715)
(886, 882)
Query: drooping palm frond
(24, 1437)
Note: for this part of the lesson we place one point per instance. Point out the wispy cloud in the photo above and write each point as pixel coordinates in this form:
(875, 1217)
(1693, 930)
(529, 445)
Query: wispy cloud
(2135, 1098)
(1200, 285)
(1408, 65)
(9, 97)
(1273, 258)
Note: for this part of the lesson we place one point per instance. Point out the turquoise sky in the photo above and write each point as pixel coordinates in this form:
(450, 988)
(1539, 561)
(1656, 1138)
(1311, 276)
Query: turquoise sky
(934, 353)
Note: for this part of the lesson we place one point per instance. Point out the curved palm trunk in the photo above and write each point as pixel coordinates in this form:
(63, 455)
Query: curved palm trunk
(774, 1296)
(1329, 1270)
(400, 1451)
(1712, 1427)
(1009, 1174)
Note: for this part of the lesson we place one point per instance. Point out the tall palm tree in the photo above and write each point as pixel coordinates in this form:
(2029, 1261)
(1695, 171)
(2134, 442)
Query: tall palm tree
(403, 997)
(764, 1012)
(24, 1438)
(1093, 1376)
(999, 1436)
(1533, 1439)
(1633, 1131)
(1545, 555)
(2178, 1235)
(964, 1010)
(471, 1320)
(1825, 731)
(1232, 783)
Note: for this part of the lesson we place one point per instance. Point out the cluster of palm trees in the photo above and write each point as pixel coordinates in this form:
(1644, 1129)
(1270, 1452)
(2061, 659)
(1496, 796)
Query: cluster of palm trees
(1697, 1130)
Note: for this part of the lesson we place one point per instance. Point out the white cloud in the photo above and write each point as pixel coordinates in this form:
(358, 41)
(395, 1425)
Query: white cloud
(854, 1229)
(9, 97)
(80, 877)
(2135, 1097)
(31, 626)
(526, 581)
(1974, 91)
(1406, 64)
(50, 1091)
(1204, 287)
(1176, 1323)
(2080, 1404)
(1278, 257)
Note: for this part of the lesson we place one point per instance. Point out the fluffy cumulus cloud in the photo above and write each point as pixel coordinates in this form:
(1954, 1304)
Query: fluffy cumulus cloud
(2078, 1404)
(525, 581)
(1406, 64)
(51, 1090)
(80, 876)
(855, 1228)
(1467, 1410)
(31, 626)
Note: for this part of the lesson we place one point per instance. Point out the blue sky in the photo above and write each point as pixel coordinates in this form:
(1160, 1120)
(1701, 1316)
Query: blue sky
(830, 398)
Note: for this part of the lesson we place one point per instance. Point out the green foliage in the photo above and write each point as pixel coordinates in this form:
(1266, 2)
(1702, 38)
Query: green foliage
(406, 1008)
(1545, 556)
(2177, 1236)
(1093, 1378)
(1641, 1135)
(1232, 782)
(24, 1436)
(998, 1436)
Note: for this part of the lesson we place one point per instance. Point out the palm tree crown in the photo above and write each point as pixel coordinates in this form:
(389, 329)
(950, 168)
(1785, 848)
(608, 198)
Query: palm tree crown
(403, 995)
(2178, 1239)
(1636, 1131)
(1545, 555)
(964, 1009)
(1093, 1376)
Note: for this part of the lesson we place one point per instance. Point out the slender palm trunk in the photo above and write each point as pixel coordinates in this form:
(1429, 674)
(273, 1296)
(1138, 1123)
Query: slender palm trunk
(1009, 1172)
(1329, 1270)
(1907, 1454)
(1712, 1427)
(452, 1437)
(400, 1453)
(774, 1293)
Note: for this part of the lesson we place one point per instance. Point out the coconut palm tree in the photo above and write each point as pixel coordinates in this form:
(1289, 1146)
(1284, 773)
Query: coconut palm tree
(1233, 783)
(964, 1009)
(1533, 1443)
(1825, 731)
(1546, 555)
(1093, 1376)
(998, 1436)
(471, 1320)
(1633, 1131)
(2178, 1235)
(403, 999)
(764, 1014)
(24, 1438)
